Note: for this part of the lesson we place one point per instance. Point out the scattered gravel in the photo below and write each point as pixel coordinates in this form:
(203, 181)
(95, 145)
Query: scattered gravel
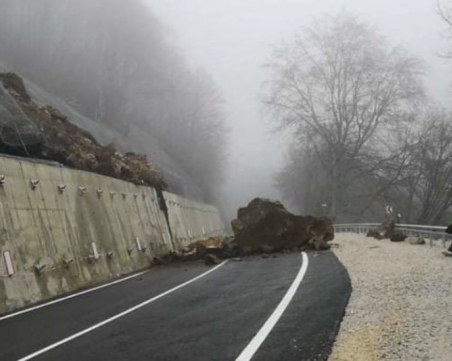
(401, 304)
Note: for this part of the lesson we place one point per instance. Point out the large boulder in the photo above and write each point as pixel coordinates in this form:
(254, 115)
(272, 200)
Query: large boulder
(374, 234)
(388, 229)
(449, 229)
(258, 209)
(266, 224)
(397, 237)
(321, 231)
(313, 232)
(14, 83)
(263, 223)
(415, 240)
(390, 232)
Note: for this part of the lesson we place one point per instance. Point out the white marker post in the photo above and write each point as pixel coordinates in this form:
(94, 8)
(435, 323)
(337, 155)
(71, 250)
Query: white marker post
(8, 263)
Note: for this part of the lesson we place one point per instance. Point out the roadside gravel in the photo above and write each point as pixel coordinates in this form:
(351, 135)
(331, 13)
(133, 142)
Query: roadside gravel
(401, 304)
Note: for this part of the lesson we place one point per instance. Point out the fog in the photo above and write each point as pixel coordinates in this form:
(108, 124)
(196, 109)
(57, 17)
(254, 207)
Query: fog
(232, 39)
(107, 65)
(170, 81)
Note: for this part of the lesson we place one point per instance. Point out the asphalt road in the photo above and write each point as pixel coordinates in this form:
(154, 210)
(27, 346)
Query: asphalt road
(213, 317)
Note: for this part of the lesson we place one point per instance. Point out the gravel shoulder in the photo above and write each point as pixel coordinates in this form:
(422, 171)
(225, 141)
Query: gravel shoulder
(401, 304)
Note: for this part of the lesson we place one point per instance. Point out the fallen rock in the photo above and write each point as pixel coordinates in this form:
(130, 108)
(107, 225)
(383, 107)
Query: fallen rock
(166, 259)
(263, 223)
(388, 229)
(266, 226)
(158, 261)
(449, 229)
(211, 259)
(222, 247)
(320, 231)
(14, 83)
(266, 249)
(398, 237)
(390, 232)
(416, 240)
(374, 234)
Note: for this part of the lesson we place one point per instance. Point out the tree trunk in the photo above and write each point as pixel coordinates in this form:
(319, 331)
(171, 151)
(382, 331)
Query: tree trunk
(333, 190)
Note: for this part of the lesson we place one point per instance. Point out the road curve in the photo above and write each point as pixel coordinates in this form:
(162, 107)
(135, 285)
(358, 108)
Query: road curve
(212, 317)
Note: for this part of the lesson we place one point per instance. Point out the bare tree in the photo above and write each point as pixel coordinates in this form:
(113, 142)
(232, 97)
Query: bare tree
(433, 167)
(340, 88)
(302, 181)
(445, 11)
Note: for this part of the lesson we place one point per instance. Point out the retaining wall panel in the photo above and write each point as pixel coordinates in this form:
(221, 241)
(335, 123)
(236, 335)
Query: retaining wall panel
(50, 233)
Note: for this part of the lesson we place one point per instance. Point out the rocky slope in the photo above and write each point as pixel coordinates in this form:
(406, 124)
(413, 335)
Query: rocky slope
(41, 131)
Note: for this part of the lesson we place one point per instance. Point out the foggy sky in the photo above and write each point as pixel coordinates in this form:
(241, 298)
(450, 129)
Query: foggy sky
(232, 39)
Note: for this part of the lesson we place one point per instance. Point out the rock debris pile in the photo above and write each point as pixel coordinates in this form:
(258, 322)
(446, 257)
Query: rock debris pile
(266, 225)
(388, 231)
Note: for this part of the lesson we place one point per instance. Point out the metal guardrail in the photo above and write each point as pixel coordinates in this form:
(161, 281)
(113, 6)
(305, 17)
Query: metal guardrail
(430, 233)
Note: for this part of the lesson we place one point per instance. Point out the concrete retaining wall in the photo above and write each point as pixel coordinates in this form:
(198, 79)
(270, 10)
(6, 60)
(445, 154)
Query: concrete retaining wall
(76, 229)
(190, 221)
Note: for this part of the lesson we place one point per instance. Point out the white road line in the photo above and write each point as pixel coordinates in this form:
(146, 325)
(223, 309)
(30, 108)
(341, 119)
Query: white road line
(70, 296)
(119, 315)
(265, 330)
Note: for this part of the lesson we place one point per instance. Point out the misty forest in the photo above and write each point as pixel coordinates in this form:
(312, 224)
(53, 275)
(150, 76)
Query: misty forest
(366, 134)
(111, 62)
(360, 128)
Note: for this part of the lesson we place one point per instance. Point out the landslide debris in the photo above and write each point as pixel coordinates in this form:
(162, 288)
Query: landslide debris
(267, 226)
(41, 131)
(388, 230)
(264, 227)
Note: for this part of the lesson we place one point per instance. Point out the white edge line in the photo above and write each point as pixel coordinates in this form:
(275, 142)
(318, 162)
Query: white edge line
(119, 315)
(70, 296)
(265, 330)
